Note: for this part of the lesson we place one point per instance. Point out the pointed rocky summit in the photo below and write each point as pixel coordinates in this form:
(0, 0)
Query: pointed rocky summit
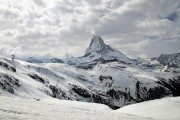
(97, 45)
(99, 52)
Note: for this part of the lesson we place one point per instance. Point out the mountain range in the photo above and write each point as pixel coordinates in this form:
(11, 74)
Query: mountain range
(103, 75)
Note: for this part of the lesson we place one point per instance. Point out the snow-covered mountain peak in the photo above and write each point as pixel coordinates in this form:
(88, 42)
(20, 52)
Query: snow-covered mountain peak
(98, 52)
(169, 59)
(97, 45)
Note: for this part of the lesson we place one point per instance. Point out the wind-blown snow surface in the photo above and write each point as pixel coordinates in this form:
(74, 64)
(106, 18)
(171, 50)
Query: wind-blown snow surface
(166, 108)
(53, 109)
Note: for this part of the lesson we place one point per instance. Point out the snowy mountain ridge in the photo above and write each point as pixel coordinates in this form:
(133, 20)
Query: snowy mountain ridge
(103, 75)
(43, 60)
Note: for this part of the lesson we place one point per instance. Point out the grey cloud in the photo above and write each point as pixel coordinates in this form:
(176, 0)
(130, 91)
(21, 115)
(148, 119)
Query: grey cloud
(39, 2)
(57, 28)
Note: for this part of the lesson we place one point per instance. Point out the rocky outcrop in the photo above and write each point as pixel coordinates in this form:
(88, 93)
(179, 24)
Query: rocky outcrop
(172, 60)
(143, 94)
(37, 78)
(158, 92)
(58, 93)
(7, 66)
(116, 98)
(172, 84)
(81, 91)
(8, 83)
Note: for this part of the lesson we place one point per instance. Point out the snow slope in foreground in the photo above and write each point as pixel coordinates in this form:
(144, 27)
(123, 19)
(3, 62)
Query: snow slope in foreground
(166, 108)
(53, 109)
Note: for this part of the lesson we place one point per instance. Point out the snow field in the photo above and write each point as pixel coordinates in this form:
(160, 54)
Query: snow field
(166, 108)
(53, 109)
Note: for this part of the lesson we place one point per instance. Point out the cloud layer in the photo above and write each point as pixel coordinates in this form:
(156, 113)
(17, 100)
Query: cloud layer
(65, 27)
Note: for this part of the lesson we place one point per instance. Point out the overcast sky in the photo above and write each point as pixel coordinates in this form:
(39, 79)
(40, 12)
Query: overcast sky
(61, 28)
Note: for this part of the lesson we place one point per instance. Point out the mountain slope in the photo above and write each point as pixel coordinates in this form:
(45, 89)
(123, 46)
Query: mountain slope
(43, 60)
(171, 61)
(114, 84)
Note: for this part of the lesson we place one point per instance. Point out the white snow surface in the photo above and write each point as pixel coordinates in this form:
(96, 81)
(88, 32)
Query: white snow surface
(13, 108)
(166, 108)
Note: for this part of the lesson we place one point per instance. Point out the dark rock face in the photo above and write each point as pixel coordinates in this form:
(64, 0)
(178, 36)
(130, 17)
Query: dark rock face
(107, 81)
(8, 83)
(169, 59)
(58, 93)
(8, 67)
(37, 78)
(56, 60)
(82, 92)
(175, 82)
(117, 94)
(113, 97)
(90, 65)
(87, 66)
(101, 78)
(142, 94)
(158, 92)
(172, 84)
